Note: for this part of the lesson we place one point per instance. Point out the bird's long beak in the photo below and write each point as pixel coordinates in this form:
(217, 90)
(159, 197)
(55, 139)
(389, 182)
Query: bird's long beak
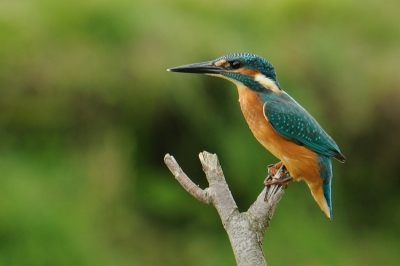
(198, 68)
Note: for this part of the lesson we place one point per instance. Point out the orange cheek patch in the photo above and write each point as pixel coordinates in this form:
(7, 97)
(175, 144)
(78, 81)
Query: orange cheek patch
(248, 72)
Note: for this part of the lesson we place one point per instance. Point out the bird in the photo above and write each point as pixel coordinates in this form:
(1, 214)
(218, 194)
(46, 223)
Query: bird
(278, 122)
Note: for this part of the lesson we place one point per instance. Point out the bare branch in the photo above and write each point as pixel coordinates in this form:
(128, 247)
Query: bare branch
(185, 181)
(263, 208)
(222, 197)
(245, 230)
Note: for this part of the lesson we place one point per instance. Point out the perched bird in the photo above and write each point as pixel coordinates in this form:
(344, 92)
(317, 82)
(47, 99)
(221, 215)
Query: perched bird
(278, 122)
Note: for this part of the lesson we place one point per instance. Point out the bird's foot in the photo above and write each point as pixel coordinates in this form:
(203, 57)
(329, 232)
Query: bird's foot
(275, 181)
(275, 171)
(274, 168)
(273, 177)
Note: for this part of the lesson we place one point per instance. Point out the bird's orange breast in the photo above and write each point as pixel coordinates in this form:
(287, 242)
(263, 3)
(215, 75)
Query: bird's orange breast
(301, 162)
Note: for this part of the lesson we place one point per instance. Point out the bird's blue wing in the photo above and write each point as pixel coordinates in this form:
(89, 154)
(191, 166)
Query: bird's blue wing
(293, 122)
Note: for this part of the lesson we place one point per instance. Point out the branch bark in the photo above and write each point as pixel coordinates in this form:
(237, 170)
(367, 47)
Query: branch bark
(245, 230)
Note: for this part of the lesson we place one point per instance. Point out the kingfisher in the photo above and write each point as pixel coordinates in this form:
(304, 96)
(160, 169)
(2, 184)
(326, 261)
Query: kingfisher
(278, 122)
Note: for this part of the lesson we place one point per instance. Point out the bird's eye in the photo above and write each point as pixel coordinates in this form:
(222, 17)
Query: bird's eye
(235, 64)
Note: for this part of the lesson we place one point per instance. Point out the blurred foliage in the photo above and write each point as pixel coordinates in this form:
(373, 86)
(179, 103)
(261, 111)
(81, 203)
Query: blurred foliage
(87, 112)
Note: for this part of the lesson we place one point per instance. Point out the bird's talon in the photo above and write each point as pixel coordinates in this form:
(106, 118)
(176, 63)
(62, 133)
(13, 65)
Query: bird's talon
(268, 179)
(275, 181)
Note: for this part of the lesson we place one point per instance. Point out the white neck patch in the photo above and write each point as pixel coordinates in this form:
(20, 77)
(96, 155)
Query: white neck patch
(267, 83)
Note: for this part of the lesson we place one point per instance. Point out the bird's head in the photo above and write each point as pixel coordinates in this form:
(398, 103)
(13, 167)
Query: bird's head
(249, 70)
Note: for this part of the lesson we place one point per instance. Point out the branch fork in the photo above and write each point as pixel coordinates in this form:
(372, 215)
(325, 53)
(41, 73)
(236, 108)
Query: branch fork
(245, 230)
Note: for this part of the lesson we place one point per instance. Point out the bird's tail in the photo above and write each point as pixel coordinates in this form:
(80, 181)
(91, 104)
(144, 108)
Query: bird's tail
(322, 194)
(327, 196)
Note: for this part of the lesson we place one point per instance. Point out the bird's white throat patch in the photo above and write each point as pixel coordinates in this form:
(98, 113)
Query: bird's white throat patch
(260, 78)
(267, 83)
(236, 82)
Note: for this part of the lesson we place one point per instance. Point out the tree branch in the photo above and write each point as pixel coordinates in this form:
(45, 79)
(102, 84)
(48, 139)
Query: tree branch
(245, 230)
(185, 181)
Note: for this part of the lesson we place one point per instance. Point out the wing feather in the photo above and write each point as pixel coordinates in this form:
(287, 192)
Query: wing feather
(293, 122)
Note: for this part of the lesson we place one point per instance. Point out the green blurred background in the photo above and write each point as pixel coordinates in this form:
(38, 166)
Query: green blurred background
(87, 113)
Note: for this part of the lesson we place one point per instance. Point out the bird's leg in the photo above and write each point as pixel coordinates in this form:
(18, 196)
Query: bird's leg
(271, 179)
(274, 168)
(272, 171)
